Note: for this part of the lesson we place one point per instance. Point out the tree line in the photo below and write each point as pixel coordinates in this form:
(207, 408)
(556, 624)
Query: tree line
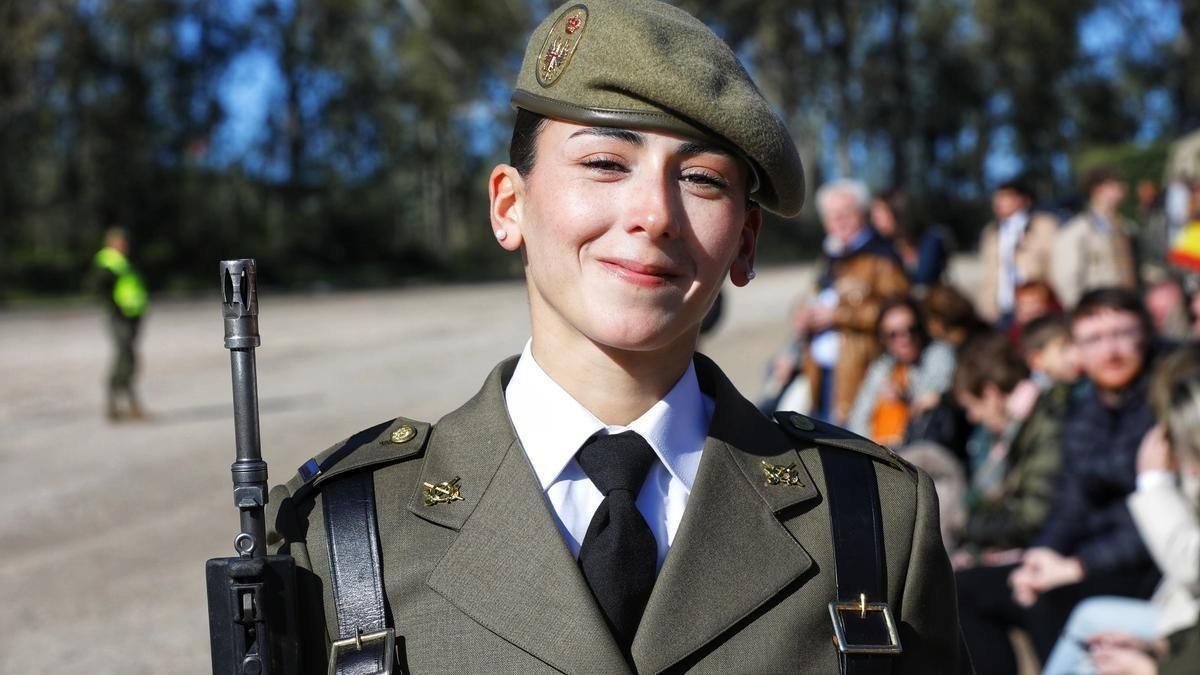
(380, 120)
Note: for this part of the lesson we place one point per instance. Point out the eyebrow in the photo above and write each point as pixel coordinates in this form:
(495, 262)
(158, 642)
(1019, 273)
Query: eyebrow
(687, 148)
(631, 137)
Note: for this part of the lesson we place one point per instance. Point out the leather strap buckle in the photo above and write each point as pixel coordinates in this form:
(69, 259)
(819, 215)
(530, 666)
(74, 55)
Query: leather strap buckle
(860, 611)
(356, 643)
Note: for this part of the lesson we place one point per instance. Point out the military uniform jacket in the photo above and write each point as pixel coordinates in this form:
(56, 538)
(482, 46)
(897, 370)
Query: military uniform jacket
(487, 584)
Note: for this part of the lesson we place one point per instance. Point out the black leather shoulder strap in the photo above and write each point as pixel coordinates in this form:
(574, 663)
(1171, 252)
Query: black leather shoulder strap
(356, 572)
(859, 560)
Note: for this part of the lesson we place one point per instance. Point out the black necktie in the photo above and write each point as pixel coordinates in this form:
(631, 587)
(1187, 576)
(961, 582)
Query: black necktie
(619, 556)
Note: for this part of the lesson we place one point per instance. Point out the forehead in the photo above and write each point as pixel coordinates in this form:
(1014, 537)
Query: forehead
(898, 314)
(1104, 319)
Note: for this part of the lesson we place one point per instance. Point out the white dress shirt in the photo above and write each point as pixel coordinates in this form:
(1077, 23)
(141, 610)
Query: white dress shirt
(552, 426)
(1009, 234)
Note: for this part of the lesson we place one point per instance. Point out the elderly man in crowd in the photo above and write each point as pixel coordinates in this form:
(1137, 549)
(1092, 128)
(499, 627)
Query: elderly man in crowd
(1088, 544)
(860, 271)
(1015, 248)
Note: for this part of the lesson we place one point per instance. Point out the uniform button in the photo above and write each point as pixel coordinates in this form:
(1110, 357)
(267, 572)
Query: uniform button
(802, 423)
(404, 434)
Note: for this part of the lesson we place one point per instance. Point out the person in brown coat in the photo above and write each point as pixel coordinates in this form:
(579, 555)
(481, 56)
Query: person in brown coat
(1016, 247)
(860, 271)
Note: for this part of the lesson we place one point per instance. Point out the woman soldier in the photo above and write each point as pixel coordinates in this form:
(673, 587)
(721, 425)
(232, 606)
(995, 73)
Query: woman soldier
(608, 502)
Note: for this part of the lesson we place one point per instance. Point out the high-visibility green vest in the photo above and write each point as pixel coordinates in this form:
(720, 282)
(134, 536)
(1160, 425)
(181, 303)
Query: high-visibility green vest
(129, 293)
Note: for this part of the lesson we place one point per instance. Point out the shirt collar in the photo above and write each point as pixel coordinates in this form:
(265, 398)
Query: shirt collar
(552, 425)
(1016, 222)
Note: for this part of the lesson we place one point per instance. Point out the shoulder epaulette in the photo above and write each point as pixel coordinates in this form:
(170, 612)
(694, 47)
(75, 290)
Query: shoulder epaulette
(823, 433)
(385, 443)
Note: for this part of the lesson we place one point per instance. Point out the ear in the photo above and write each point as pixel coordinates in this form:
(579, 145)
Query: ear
(506, 194)
(747, 246)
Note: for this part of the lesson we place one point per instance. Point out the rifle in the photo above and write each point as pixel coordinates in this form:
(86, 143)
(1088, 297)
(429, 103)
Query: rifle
(251, 599)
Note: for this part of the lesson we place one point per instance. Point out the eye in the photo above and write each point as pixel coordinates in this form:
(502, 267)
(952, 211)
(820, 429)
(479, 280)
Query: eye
(604, 164)
(704, 178)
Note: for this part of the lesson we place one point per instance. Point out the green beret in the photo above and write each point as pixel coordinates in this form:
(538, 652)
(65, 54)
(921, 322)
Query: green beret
(643, 64)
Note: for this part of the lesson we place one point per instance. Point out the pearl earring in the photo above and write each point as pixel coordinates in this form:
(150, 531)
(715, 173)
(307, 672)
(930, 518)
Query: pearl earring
(501, 235)
(750, 275)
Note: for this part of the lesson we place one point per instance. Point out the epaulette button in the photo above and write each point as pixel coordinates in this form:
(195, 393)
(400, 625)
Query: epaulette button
(404, 434)
(801, 422)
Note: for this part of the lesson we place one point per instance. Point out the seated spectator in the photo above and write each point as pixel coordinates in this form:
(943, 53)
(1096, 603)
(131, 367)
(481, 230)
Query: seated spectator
(860, 270)
(905, 380)
(1032, 300)
(1167, 304)
(924, 251)
(1018, 458)
(1051, 358)
(1164, 508)
(1088, 544)
(950, 316)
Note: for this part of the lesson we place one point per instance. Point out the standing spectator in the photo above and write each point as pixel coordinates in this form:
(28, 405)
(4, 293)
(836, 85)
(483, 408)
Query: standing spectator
(905, 380)
(1088, 544)
(125, 299)
(1014, 248)
(860, 271)
(1093, 249)
(1155, 233)
(923, 251)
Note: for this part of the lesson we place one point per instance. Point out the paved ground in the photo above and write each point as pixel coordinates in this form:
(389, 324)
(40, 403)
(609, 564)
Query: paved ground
(106, 528)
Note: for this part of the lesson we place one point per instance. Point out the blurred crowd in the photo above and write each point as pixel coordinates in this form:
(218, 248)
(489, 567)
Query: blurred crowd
(1056, 403)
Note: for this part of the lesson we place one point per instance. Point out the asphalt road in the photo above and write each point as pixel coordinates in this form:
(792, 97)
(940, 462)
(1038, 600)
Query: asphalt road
(106, 527)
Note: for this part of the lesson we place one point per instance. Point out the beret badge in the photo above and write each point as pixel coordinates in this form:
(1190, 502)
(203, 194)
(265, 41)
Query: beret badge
(561, 42)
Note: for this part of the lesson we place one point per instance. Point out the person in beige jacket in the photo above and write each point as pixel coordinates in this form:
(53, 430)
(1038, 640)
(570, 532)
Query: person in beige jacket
(1093, 249)
(1016, 247)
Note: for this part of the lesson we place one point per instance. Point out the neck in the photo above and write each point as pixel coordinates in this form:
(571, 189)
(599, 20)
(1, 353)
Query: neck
(617, 386)
(1106, 210)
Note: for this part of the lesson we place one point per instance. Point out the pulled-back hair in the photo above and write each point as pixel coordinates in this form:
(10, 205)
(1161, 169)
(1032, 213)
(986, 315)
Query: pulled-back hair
(522, 147)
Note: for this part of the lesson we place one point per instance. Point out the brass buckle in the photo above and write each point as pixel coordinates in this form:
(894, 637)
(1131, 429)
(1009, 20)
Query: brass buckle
(862, 607)
(387, 635)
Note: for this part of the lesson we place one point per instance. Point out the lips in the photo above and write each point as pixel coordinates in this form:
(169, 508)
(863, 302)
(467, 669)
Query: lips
(640, 273)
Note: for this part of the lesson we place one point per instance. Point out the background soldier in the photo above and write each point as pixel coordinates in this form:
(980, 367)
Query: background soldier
(608, 501)
(125, 299)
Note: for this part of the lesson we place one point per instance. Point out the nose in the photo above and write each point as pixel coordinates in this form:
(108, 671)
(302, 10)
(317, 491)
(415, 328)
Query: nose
(654, 207)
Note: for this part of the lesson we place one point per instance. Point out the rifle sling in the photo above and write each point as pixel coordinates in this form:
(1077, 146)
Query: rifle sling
(857, 528)
(356, 570)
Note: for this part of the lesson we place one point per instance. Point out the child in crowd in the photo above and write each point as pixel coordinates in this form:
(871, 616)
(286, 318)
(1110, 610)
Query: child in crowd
(1014, 460)
(1051, 358)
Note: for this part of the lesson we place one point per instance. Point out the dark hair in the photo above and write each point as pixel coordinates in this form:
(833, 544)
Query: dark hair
(1019, 185)
(906, 302)
(955, 310)
(521, 149)
(1098, 176)
(1117, 300)
(1044, 330)
(988, 358)
(900, 204)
